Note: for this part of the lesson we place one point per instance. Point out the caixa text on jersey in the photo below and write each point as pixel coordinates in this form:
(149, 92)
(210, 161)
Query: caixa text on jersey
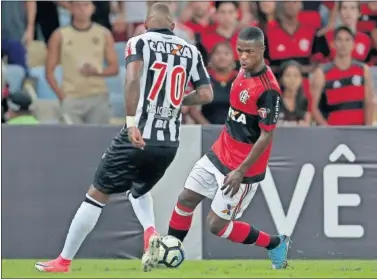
(170, 48)
(162, 112)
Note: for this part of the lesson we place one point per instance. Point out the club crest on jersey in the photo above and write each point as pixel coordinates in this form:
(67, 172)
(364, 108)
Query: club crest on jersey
(357, 80)
(263, 112)
(244, 96)
(237, 116)
(170, 48)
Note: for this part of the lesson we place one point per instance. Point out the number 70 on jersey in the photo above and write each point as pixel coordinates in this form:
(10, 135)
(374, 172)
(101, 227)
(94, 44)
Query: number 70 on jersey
(175, 79)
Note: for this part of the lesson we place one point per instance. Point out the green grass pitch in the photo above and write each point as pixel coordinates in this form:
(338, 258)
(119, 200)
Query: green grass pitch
(199, 269)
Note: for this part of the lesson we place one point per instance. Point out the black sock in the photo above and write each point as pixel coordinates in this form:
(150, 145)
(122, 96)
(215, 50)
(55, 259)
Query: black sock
(274, 242)
(254, 234)
(181, 235)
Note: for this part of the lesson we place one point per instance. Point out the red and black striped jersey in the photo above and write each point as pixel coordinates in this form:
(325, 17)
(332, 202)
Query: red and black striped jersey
(368, 19)
(343, 96)
(254, 105)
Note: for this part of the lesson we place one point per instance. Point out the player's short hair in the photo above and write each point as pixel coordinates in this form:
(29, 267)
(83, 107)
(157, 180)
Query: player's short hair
(161, 9)
(251, 33)
(345, 29)
(218, 4)
(341, 3)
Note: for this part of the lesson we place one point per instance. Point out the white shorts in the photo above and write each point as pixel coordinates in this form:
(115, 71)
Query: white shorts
(206, 179)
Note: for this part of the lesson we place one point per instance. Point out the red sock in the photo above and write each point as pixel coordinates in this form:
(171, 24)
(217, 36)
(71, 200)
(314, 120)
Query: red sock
(236, 231)
(63, 261)
(263, 240)
(241, 232)
(180, 221)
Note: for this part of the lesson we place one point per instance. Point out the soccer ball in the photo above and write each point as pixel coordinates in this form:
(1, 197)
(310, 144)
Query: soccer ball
(172, 253)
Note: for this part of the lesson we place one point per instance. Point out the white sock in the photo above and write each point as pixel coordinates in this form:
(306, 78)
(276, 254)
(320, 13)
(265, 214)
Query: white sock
(143, 207)
(82, 224)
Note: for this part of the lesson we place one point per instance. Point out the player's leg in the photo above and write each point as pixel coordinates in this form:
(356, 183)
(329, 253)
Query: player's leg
(112, 176)
(181, 218)
(155, 161)
(200, 183)
(82, 224)
(222, 222)
(143, 208)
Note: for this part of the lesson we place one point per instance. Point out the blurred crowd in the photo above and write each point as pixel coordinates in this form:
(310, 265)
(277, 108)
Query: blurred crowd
(63, 62)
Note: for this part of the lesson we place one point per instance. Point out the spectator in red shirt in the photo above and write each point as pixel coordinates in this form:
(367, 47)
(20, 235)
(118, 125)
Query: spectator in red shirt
(200, 22)
(310, 13)
(289, 39)
(349, 13)
(227, 27)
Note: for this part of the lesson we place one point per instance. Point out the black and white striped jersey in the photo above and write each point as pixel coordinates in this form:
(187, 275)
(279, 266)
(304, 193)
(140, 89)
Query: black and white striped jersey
(170, 63)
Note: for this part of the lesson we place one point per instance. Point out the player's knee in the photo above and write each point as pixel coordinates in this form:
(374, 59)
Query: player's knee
(215, 223)
(97, 195)
(188, 199)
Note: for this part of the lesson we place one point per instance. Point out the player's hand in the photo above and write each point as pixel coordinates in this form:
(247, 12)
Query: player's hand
(232, 182)
(135, 137)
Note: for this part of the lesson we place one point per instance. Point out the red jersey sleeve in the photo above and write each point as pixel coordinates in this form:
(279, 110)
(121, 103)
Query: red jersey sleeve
(268, 109)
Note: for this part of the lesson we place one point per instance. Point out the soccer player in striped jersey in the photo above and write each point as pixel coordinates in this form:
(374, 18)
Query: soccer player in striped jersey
(230, 172)
(159, 66)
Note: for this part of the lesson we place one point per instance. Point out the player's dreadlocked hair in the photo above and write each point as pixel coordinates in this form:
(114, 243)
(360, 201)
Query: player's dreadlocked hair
(251, 33)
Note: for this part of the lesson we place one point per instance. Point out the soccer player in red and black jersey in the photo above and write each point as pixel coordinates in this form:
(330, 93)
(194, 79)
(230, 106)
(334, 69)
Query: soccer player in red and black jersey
(342, 89)
(230, 172)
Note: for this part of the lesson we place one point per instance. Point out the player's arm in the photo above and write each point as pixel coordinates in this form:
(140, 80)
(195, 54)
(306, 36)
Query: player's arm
(270, 101)
(203, 93)
(368, 101)
(53, 60)
(197, 115)
(134, 66)
(317, 83)
(110, 56)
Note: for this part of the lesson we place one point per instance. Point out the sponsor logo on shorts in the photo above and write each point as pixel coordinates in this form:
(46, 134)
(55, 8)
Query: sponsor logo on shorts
(229, 209)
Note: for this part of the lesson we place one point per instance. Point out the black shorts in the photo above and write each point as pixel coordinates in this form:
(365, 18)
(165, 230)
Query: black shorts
(124, 167)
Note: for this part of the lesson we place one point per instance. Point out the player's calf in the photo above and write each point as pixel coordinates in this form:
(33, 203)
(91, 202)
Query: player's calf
(82, 224)
(241, 232)
(180, 221)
